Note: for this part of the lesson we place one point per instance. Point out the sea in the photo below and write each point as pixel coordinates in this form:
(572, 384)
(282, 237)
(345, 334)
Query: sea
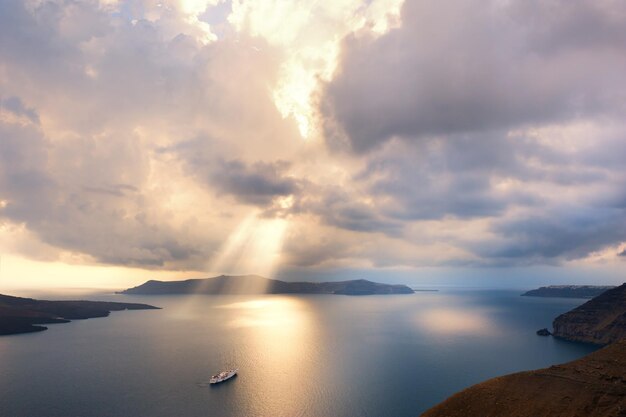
(297, 355)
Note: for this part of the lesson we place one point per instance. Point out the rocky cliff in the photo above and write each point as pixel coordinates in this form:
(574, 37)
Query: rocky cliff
(594, 386)
(601, 320)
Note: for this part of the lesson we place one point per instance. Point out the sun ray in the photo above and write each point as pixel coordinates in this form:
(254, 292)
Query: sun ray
(252, 248)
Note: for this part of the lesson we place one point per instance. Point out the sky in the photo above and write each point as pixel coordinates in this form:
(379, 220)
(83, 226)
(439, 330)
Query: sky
(466, 142)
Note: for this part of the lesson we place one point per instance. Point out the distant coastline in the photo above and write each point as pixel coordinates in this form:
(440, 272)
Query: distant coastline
(568, 291)
(26, 315)
(254, 284)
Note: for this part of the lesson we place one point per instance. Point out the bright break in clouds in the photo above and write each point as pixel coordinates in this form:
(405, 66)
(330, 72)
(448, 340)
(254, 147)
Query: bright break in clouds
(278, 137)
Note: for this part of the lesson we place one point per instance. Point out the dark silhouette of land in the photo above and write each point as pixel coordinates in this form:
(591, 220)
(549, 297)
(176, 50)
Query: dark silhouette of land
(25, 315)
(254, 284)
(594, 386)
(569, 291)
(601, 320)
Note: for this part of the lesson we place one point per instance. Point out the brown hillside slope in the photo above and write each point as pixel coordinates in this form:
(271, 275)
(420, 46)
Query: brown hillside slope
(594, 386)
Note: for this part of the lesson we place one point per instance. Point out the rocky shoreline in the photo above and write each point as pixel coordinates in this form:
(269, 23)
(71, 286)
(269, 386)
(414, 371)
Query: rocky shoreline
(601, 320)
(593, 386)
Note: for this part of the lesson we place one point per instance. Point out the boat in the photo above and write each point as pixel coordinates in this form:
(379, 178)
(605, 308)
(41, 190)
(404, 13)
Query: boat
(223, 376)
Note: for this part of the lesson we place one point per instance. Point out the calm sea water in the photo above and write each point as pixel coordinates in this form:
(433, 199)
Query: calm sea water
(297, 355)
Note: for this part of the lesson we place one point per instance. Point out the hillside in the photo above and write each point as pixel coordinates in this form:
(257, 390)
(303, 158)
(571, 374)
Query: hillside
(601, 320)
(594, 386)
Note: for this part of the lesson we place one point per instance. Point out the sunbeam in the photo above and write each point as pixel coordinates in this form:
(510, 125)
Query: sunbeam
(253, 247)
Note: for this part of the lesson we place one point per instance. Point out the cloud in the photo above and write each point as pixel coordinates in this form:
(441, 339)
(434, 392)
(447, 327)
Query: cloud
(15, 107)
(435, 179)
(93, 95)
(258, 184)
(503, 118)
(343, 209)
(467, 134)
(500, 199)
(84, 206)
(471, 66)
(571, 233)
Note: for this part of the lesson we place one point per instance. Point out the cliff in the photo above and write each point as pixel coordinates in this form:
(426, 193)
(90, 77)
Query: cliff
(23, 315)
(253, 284)
(594, 386)
(568, 291)
(601, 320)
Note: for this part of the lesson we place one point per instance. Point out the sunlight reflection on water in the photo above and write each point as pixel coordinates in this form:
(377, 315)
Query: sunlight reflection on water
(323, 355)
(452, 321)
(286, 313)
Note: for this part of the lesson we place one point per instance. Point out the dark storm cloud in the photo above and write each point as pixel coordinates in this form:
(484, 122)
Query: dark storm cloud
(460, 178)
(575, 24)
(477, 110)
(459, 175)
(571, 233)
(468, 66)
(14, 105)
(338, 208)
(258, 183)
(435, 179)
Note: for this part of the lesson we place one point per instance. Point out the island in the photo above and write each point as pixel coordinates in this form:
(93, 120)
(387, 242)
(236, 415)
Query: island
(593, 386)
(544, 332)
(254, 284)
(568, 291)
(25, 315)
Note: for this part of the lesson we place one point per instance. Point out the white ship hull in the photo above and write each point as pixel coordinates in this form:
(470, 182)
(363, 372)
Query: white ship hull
(223, 376)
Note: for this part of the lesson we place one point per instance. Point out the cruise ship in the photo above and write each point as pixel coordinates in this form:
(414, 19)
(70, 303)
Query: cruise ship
(223, 376)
